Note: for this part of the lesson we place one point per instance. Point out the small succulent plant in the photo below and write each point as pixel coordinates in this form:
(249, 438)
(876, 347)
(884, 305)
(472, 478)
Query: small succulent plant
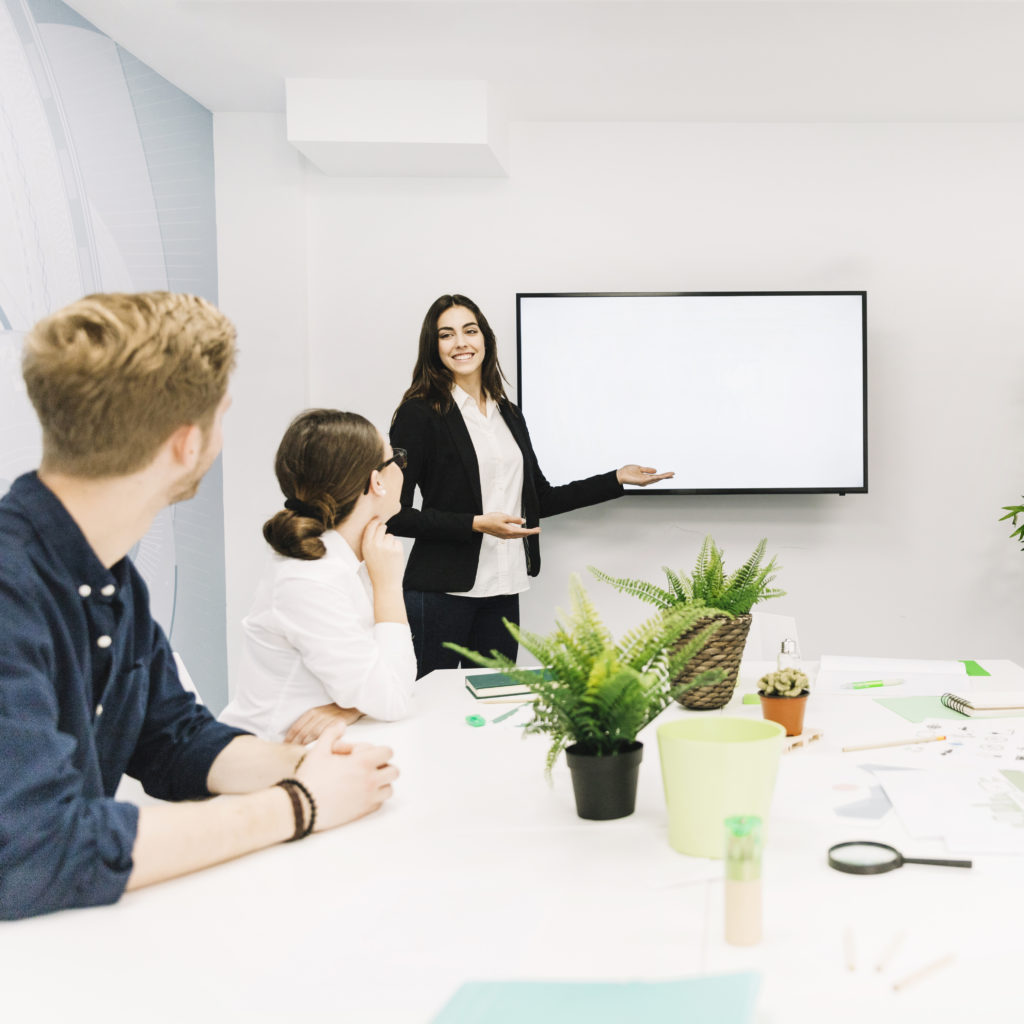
(787, 682)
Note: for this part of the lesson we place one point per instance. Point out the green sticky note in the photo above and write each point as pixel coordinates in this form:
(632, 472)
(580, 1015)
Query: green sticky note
(717, 999)
(974, 669)
(751, 698)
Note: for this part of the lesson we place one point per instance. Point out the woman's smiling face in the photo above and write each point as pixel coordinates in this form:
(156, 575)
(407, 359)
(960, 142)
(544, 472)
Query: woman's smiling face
(461, 344)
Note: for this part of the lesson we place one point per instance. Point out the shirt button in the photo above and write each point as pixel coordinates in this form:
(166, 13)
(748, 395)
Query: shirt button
(108, 590)
(99, 710)
(85, 590)
(103, 641)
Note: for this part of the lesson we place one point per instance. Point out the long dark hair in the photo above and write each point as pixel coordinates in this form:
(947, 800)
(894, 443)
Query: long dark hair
(323, 463)
(432, 380)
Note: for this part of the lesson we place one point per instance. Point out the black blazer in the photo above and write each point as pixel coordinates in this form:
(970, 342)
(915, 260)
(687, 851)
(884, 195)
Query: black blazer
(442, 463)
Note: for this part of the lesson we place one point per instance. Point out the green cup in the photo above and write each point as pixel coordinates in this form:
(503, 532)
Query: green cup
(714, 768)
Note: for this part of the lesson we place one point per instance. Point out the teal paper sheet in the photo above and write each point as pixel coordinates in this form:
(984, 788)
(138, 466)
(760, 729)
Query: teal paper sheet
(717, 999)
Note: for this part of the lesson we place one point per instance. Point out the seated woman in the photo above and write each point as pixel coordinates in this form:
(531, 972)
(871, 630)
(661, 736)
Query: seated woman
(327, 637)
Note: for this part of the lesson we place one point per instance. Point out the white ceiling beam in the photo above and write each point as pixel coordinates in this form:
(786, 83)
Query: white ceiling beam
(363, 128)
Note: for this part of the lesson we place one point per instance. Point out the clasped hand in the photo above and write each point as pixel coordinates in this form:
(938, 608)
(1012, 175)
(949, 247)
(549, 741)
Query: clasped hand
(347, 779)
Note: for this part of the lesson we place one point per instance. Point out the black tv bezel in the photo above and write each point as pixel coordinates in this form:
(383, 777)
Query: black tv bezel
(862, 489)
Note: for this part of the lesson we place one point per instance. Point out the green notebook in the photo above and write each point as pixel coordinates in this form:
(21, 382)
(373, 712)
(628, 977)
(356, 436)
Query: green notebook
(496, 684)
(717, 999)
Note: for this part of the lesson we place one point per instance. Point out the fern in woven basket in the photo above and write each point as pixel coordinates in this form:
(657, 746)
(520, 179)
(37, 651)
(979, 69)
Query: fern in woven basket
(600, 694)
(709, 585)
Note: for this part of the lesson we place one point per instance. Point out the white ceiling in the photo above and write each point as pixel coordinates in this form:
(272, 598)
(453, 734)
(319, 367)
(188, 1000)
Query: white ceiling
(760, 60)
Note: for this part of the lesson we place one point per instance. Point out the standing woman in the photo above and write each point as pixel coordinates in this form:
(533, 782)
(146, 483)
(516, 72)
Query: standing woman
(327, 636)
(469, 452)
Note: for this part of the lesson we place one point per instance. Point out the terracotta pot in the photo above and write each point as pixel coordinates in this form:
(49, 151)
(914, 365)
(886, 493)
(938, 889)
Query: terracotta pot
(787, 711)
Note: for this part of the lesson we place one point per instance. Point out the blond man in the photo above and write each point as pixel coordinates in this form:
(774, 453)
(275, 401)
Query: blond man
(131, 391)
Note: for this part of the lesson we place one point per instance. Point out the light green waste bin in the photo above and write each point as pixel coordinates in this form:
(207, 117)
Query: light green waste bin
(714, 768)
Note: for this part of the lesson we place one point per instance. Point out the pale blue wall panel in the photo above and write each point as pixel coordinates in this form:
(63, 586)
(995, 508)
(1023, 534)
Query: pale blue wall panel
(106, 184)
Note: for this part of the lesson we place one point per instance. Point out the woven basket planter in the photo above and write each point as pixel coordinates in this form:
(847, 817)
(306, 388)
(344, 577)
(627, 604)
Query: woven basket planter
(724, 650)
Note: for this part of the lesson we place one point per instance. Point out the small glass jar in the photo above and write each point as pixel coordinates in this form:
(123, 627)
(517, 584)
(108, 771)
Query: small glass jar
(743, 880)
(787, 656)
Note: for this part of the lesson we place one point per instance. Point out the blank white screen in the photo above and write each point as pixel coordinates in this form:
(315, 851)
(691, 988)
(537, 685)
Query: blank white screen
(732, 392)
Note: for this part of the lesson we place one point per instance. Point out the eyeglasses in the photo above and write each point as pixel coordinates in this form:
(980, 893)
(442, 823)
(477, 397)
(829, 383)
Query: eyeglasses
(399, 456)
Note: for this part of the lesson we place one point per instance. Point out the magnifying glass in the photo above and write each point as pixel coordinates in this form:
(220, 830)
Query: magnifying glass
(866, 858)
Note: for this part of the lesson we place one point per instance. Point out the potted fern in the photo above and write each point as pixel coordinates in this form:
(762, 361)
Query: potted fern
(710, 590)
(600, 694)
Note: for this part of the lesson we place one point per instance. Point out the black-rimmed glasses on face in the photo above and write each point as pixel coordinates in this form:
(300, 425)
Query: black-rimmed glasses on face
(399, 456)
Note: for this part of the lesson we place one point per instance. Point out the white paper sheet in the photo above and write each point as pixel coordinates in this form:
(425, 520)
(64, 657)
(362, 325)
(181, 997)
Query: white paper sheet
(891, 666)
(979, 811)
(923, 676)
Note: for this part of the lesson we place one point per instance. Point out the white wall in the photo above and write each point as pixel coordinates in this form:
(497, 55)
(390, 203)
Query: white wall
(261, 229)
(927, 218)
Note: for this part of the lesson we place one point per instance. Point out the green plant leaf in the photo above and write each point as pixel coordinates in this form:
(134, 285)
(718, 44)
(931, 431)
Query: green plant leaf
(641, 589)
(709, 584)
(681, 588)
(1012, 511)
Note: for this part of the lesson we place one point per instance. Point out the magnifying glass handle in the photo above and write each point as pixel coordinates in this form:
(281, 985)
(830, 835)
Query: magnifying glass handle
(941, 863)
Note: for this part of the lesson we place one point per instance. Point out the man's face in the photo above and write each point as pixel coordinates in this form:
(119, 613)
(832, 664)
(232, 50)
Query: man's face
(213, 442)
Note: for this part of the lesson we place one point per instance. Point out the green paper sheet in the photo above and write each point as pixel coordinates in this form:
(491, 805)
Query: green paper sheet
(974, 669)
(917, 709)
(718, 999)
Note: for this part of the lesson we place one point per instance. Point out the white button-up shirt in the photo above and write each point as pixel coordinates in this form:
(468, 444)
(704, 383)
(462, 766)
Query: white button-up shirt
(310, 639)
(502, 566)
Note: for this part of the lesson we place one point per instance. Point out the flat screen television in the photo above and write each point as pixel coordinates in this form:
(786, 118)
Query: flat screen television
(737, 392)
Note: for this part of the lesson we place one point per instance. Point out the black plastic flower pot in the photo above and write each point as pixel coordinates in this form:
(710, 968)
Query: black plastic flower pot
(605, 786)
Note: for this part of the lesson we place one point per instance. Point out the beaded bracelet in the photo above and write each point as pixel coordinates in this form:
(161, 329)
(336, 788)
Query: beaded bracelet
(293, 787)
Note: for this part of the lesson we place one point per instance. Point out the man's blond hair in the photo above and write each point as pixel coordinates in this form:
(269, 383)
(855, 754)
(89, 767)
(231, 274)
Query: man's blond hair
(113, 376)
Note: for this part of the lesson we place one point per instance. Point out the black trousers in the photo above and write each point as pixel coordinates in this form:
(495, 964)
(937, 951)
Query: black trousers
(473, 622)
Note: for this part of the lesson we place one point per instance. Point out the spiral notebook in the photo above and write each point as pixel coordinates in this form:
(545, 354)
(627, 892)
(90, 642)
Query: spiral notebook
(991, 704)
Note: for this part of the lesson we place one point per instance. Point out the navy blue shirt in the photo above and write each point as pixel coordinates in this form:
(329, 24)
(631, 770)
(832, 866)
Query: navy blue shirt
(88, 691)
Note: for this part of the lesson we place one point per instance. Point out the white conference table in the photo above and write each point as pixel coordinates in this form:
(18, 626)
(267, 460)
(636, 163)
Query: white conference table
(477, 869)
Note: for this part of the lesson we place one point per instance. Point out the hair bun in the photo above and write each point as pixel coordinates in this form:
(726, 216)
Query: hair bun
(302, 508)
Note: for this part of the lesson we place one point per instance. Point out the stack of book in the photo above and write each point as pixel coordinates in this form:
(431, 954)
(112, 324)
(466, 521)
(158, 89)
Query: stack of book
(494, 685)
